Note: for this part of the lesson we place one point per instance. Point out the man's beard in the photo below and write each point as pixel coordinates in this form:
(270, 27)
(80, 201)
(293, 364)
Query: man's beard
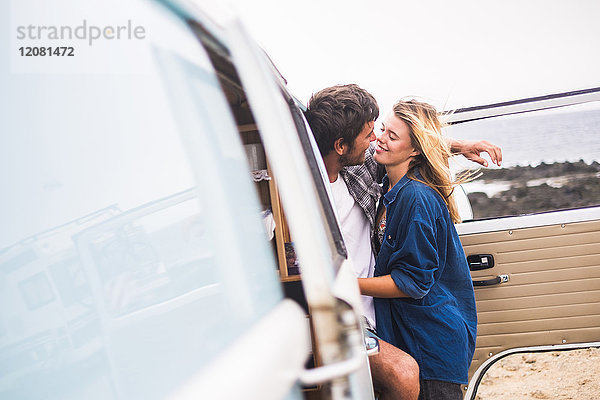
(350, 159)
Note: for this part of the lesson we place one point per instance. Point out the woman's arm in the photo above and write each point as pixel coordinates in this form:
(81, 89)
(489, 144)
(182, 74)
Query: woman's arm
(380, 286)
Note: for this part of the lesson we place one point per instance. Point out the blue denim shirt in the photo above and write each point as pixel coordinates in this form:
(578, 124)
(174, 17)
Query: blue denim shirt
(421, 251)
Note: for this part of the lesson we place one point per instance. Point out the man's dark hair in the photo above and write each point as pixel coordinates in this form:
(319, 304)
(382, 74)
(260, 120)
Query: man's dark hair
(339, 112)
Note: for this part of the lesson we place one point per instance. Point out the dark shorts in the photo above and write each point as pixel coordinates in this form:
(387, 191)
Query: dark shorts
(439, 390)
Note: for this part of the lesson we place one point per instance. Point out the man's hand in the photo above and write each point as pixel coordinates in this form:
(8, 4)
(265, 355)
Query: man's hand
(472, 150)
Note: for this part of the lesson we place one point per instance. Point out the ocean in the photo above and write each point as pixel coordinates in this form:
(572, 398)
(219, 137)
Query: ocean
(549, 136)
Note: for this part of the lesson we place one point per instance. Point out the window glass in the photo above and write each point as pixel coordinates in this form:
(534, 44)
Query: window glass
(148, 256)
(131, 248)
(36, 291)
(550, 161)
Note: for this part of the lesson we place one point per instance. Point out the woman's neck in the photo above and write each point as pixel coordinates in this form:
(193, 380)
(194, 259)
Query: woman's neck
(395, 173)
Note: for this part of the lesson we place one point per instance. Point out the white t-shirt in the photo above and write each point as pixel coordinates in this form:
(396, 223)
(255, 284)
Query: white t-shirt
(357, 236)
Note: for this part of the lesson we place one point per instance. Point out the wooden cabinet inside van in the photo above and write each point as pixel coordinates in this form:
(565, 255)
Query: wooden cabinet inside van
(273, 214)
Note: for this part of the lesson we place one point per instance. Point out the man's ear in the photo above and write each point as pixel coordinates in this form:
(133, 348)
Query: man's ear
(339, 146)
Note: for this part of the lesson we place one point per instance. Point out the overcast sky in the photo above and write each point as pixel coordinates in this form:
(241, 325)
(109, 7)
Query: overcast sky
(451, 53)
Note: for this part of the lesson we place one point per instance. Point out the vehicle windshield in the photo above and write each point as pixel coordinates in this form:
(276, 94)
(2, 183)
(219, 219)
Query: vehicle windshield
(129, 219)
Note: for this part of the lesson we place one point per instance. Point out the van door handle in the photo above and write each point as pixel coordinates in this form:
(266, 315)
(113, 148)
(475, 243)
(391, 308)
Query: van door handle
(480, 261)
(495, 281)
(330, 372)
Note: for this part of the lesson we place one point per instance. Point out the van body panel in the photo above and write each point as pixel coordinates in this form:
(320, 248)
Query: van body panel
(536, 276)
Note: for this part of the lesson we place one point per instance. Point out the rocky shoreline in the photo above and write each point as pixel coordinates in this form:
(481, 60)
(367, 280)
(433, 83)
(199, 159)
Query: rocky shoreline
(545, 187)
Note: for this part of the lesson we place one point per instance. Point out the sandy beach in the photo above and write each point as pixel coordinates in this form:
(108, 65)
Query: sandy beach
(551, 375)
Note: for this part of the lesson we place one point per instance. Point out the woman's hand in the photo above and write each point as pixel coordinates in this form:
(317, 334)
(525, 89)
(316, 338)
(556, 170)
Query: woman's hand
(380, 286)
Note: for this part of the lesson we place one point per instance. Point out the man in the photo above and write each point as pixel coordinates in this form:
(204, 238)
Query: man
(342, 119)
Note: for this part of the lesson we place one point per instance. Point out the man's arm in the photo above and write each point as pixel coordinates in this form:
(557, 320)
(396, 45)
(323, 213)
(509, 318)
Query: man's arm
(472, 150)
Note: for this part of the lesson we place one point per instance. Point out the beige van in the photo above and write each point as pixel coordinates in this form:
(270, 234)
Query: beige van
(536, 274)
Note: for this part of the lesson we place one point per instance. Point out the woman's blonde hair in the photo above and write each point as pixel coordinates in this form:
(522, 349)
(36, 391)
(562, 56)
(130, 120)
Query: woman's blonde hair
(432, 161)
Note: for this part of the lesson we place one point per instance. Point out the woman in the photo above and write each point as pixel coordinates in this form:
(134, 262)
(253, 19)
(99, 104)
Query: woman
(424, 300)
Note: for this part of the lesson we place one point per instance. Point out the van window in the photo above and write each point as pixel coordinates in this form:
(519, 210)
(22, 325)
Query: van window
(550, 161)
(128, 219)
(36, 291)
